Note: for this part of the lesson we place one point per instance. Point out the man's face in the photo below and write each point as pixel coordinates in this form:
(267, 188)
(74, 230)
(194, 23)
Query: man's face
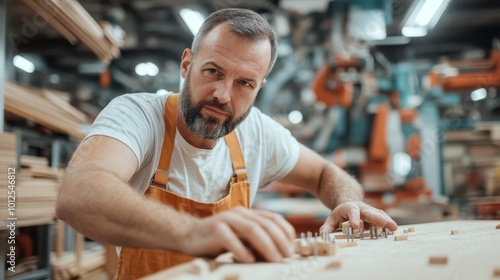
(221, 83)
(208, 127)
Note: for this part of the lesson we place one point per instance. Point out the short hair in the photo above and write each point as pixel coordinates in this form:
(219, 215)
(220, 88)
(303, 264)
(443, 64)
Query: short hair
(242, 22)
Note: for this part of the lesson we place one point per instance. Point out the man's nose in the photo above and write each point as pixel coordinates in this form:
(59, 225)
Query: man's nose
(223, 92)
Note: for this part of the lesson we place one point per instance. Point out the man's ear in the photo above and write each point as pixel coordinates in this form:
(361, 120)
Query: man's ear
(187, 58)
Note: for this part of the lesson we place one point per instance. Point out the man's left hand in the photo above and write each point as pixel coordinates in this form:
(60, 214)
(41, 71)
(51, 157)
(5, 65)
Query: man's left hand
(354, 211)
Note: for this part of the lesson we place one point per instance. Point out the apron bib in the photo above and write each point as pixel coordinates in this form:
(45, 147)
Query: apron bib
(136, 262)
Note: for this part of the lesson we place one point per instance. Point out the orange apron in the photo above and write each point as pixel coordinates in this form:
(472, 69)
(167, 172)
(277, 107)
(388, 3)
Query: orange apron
(135, 263)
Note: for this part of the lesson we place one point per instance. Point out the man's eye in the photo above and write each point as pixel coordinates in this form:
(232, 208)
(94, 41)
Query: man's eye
(245, 83)
(212, 71)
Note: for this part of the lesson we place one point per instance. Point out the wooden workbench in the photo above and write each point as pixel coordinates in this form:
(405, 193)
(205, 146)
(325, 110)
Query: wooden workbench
(473, 253)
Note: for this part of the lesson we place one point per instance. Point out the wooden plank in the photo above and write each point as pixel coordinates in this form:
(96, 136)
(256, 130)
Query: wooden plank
(473, 254)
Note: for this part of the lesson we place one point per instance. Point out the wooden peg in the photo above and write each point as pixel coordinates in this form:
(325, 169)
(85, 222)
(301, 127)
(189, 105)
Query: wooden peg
(345, 227)
(454, 231)
(326, 249)
(412, 229)
(333, 265)
(232, 277)
(440, 260)
(347, 244)
(400, 237)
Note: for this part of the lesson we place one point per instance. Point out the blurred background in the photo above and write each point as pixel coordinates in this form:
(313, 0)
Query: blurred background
(400, 93)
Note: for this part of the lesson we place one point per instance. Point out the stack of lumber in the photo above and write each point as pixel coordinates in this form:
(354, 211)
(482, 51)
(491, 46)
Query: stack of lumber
(484, 131)
(44, 107)
(8, 155)
(38, 167)
(8, 162)
(491, 128)
(71, 20)
(36, 189)
(485, 155)
(90, 264)
(82, 263)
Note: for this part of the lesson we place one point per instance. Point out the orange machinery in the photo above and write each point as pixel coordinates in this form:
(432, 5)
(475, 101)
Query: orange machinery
(486, 74)
(329, 88)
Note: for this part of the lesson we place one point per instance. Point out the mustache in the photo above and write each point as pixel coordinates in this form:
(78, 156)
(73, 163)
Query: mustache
(216, 104)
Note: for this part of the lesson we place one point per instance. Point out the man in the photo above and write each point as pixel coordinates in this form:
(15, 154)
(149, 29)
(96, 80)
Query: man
(198, 201)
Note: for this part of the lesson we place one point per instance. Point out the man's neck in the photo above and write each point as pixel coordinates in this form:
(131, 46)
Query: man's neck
(190, 137)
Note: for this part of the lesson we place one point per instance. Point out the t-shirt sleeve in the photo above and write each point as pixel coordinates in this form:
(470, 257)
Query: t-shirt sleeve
(281, 150)
(129, 119)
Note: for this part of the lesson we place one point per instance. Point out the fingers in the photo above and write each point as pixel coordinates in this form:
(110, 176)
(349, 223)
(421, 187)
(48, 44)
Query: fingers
(286, 227)
(231, 242)
(276, 227)
(261, 232)
(327, 227)
(379, 218)
(348, 211)
(355, 212)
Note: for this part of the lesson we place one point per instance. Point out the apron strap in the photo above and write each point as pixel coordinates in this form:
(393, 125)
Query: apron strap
(161, 175)
(240, 170)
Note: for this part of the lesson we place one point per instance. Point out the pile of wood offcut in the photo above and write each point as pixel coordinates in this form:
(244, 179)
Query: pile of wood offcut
(35, 186)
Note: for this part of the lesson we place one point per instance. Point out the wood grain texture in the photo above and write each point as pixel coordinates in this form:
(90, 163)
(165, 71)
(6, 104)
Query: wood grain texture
(472, 254)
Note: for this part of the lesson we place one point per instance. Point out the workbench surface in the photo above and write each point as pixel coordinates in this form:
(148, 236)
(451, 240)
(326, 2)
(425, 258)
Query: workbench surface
(473, 253)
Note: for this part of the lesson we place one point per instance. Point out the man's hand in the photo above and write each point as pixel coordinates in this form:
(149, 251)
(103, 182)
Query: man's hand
(240, 231)
(353, 212)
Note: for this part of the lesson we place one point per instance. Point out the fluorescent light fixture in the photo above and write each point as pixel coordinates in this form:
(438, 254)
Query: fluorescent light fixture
(24, 64)
(295, 117)
(193, 19)
(425, 14)
(414, 31)
(478, 94)
(147, 69)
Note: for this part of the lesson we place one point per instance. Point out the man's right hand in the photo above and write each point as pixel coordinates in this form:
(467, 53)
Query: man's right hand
(268, 234)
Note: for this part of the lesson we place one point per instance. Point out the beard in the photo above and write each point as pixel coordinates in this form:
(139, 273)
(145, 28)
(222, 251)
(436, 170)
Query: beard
(207, 127)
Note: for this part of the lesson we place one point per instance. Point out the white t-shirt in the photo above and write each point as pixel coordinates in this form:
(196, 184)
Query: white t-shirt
(269, 150)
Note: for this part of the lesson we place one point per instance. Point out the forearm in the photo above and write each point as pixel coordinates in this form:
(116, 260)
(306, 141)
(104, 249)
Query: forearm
(104, 208)
(337, 186)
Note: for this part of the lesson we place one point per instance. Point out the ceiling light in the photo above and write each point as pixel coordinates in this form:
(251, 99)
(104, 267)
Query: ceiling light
(414, 31)
(295, 117)
(24, 64)
(193, 19)
(147, 69)
(427, 12)
(401, 164)
(478, 94)
(424, 15)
